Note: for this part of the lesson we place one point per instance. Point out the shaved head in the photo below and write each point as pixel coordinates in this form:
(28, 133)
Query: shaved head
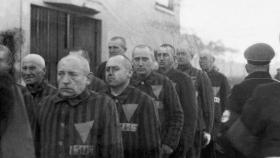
(73, 75)
(35, 59)
(76, 60)
(122, 60)
(33, 69)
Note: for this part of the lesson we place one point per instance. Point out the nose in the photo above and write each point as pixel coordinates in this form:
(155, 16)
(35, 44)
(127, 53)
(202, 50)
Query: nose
(65, 79)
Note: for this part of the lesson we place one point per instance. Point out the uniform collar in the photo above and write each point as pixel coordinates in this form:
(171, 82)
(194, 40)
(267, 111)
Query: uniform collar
(73, 101)
(36, 88)
(258, 74)
(185, 67)
(148, 80)
(123, 95)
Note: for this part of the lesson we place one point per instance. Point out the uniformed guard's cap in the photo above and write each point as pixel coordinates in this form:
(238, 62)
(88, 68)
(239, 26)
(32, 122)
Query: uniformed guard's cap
(259, 54)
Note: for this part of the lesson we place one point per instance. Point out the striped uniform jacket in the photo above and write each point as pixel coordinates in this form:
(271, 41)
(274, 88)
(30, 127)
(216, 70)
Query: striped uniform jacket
(186, 92)
(41, 91)
(84, 126)
(98, 85)
(221, 90)
(139, 123)
(167, 102)
(241, 92)
(205, 96)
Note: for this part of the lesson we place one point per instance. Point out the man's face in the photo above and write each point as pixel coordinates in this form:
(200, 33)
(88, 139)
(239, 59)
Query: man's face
(72, 78)
(164, 57)
(4, 66)
(115, 48)
(32, 73)
(117, 74)
(206, 62)
(183, 57)
(142, 61)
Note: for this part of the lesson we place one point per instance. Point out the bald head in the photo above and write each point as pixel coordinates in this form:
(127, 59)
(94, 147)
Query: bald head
(35, 59)
(76, 61)
(120, 60)
(118, 72)
(33, 69)
(73, 75)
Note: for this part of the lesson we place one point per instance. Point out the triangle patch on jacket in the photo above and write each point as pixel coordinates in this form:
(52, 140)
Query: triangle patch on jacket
(84, 129)
(216, 90)
(174, 84)
(129, 110)
(156, 90)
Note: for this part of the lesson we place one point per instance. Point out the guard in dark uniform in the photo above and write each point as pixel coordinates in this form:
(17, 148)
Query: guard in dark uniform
(258, 58)
(186, 92)
(221, 89)
(205, 101)
(261, 120)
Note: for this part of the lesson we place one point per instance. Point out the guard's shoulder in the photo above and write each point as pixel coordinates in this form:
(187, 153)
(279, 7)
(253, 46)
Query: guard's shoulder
(269, 89)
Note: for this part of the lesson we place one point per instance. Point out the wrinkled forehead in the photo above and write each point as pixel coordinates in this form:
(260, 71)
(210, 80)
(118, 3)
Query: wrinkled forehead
(143, 53)
(70, 64)
(116, 43)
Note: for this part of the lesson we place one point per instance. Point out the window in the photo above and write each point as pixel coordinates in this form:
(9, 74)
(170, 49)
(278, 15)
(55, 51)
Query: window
(167, 4)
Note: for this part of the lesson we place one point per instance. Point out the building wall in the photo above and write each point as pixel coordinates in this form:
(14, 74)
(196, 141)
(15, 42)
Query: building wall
(140, 22)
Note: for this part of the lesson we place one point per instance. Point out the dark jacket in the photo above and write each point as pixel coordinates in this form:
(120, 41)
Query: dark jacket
(221, 89)
(240, 93)
(204, 96)
(16, 135)
(100, 72)
(261, 117)
(186, 92)
(168, 105)
(139, 123)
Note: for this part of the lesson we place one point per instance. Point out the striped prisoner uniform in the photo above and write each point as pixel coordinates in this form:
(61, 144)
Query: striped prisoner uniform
(84, 126)
(41, 91)
(205, 105)
(221, 90)
(186, 92)
(97, 85)
(167, 102)
(139, 123)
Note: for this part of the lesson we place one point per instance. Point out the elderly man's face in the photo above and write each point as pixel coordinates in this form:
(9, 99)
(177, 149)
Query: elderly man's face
(115, 47)
(72, 77)
(32, 73)
(183, 57)
(4, 66)
(142, 61)
(164, 57)
(117, 74)
(206, 62)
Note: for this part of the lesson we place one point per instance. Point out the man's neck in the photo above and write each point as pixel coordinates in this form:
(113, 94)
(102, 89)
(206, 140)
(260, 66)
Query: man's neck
(116, 91)
(164, 70)
(143, 76)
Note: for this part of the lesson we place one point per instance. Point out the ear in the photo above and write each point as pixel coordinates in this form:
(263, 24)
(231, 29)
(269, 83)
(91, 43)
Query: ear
(130, 73)
(90, 77)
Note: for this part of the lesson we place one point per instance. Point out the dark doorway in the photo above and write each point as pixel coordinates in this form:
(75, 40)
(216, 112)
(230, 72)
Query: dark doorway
(54, 32)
